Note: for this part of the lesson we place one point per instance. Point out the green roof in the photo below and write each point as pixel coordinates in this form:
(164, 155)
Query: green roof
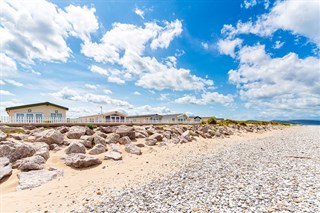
(36, 104)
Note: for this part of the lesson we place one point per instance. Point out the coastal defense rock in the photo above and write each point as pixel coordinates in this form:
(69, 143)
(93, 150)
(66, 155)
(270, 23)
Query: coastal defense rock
(15, 150)
(115, 147)
(32, 163)
(106, 129)
(12, 129)
(151, 142)
(18, 136)
(97, 139)
(49, 136)
(3, 136)
(124, 140)
(42, 149)
(75, 147)
(133, 149)
(63, 129)
(89, 131)
(81, 160)
(156, 136)
(97, 149)
(126, 131)
(5, 167)
(31, 179)
(112, 155)
(75, 132)
(113, 138)
(87, 141)
(187, 135)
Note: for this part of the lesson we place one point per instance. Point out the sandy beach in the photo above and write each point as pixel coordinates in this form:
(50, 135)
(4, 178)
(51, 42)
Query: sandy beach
(78, 188)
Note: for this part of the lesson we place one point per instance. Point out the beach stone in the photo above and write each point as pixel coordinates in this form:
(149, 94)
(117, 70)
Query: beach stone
(97, 149)
(49, 136)
(75, 132)
(106, 129)
(35, 178)
(140, 135)
(18, 136)
(42, 149)
(101, 134)
(124, 140)
(87, 141)
(156, 136)
(89, 131)
(126, 131)
(3, 136)
(15, 150)
(112, 138)
(81, 160)
(115, 147)
(35, 162)
(63, 129)
(151, 142)
(75, 147)
(167, 134)
(187, 135)
(98, 140)
(10, 129)
(133, 149)
(112, 155)
(5, 167)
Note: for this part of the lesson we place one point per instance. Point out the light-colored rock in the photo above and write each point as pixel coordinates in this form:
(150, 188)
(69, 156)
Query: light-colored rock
(187, 135)
(87, 141)
(97, 149)
(126, 131)
(10, 129)
(75, 147)
(75, 132)
(101, 134)
(133, 149)
(140, 135)
(15, 150)
(115, 147)
(89, 131)
(98, 140)
(112, 138)
(3, 136)
(81, 160)
(156, 136)
(49, 136)
(42, 149)
(35, 162)
(112, 155)
(106, 130)
(18, 136)
(151, 142)
(63, 129)
(5, 167)
(124, 140)
(31, 179)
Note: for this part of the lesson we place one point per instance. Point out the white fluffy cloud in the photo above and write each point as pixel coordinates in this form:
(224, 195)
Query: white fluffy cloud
(6, 93)
(91, 86)
(139, 12)
(207, 98)
(288, 83)
(298, 17)
(249, 3)
(227, 46)
(147, 109)
(8, 66)
(13, 82)
(136, 93)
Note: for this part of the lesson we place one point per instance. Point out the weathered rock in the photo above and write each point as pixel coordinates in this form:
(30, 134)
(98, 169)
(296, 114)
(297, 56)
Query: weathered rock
(101, 134)
(81, 160)
(10, 129)
(31, 179)
(140, 145)
(49, 136)
(140, 135)
(75, 147)
(87, 141)
(89, 131)
(18, 136)
(3, 136)
(151, 142)
(113, 138)
(115, 147)
(55, 147)
(42, 149)
(98, 140)
(35, 162)
(175, 140)
(106, 129)
(183, 140)
(112, 155)
(167, 134)
(97, 149)
(63, 129)
(150, 131)
(5, 167)
(75, 132)
(187, 135)
(133, 149)
(126, 131)
(156, 136)
(124, 140)
(15, 150)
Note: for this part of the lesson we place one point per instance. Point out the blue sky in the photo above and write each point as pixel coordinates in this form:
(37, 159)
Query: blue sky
(246, 59)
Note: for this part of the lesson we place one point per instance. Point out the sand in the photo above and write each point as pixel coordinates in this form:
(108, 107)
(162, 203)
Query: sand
(79, 186)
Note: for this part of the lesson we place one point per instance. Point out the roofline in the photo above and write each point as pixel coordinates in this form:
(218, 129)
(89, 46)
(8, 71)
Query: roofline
(105, 114)
(141, 116)
(36, 104)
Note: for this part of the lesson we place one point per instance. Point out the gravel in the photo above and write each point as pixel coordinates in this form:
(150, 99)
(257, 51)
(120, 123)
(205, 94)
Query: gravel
(277, 173)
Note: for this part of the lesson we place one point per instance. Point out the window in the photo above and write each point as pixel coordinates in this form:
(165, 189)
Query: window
(56, 117)
(20, 117)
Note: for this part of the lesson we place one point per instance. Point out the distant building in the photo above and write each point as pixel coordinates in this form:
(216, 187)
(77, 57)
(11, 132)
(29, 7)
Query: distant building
(109, 117)
(195, 119)
(156, 118)
(37, 112)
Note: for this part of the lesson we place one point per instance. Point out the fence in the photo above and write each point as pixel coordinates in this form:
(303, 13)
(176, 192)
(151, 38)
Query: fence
(48, 120)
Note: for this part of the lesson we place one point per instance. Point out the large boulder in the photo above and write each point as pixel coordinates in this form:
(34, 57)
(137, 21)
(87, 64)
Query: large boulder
(63, 129)
(126, 131)
(81, 160)
(156, 136)
(31, 179)
(15, 150)
(87, 141)
(112, 155)
(124, 140)
(10, 129)
(97, 139)
(3, 136)
(35, 162)
(49, 136)
(75, 132)
(133, 149)
(106, 130)
(115, 147)
(113, 138)
(187, 135)
(18, 136)
(75, 147)
(151, 142)
(97, 149)
(5, 167)
(42, 149)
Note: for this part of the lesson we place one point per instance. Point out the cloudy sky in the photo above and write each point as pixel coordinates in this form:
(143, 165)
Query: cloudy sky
(240, 59)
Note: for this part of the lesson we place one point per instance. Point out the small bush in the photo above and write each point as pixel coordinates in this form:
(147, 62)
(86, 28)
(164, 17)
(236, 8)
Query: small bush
(90, 126)
(203, 122)
(212, 120)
